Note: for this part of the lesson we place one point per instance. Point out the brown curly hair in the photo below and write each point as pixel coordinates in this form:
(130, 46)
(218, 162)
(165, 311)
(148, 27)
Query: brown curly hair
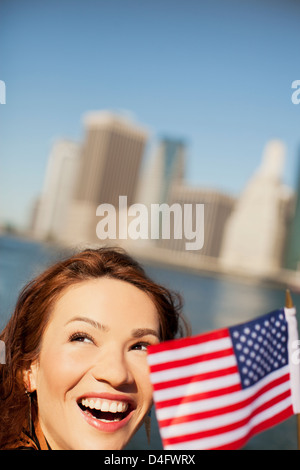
(22, 335)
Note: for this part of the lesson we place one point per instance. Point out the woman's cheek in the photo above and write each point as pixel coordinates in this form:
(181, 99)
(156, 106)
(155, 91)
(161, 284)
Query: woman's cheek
(141, 372)
(64, 365)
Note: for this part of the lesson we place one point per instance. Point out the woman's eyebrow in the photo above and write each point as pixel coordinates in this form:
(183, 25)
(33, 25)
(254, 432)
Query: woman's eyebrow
(139, 332)
(92, 322)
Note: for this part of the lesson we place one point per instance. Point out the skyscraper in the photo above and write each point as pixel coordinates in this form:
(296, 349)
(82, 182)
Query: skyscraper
(217, 208)
(165, 168)
(54, 202)
(111, 158)
(256, 230)
(110, 164)
(292, 260)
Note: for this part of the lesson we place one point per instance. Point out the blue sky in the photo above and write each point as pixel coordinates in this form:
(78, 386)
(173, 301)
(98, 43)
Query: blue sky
(217, 73)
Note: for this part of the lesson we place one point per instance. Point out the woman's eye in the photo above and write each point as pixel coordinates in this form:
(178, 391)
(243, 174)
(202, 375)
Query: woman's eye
(142, 346)
(81, 338)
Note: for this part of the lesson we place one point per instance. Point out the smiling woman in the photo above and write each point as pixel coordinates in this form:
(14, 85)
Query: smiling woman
(76, 373)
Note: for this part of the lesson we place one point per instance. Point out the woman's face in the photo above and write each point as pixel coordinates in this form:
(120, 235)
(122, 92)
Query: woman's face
(92, 377)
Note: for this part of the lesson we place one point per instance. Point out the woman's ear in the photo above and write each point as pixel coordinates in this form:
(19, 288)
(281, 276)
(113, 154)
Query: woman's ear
(30, 377)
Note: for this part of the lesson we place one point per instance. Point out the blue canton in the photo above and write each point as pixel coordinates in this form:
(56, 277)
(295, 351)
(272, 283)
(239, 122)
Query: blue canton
(260, 346)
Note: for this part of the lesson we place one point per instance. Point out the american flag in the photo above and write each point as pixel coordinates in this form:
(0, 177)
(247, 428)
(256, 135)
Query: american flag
(218, 389)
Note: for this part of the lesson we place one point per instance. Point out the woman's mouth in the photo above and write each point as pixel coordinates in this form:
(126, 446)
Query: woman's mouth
(104, 410)
(105, 414)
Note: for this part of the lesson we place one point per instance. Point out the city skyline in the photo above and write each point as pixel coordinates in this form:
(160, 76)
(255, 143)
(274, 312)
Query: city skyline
(82, 202)
(217, 75)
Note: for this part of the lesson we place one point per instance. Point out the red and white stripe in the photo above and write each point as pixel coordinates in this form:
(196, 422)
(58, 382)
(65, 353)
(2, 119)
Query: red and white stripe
(198, 397)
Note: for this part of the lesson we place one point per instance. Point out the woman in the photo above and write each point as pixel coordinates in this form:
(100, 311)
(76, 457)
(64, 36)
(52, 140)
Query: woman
(76, 374)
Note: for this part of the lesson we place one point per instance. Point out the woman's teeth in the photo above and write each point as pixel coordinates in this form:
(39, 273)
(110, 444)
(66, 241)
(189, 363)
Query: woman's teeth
(105, 406)
(103, 409)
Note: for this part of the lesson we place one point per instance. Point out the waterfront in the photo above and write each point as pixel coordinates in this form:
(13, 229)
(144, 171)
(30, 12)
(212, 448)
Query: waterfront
(210, 303)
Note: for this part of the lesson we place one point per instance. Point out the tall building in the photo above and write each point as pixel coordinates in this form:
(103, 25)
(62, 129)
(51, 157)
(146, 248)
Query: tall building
(110, 166)
(292, 253)
(217, 209)
(165, 168)
(255, 233)
(172, 156)
(54, 203)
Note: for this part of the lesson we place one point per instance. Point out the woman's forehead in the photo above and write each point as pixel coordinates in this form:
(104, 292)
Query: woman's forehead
(105, 299)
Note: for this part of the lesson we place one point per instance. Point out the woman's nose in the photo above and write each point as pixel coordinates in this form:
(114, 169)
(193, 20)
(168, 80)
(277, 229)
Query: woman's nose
(113, 368)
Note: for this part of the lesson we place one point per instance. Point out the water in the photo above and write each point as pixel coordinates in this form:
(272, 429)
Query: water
(210, 303)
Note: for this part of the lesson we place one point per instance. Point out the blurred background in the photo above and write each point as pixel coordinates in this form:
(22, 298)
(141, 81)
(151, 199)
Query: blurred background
(162, 102)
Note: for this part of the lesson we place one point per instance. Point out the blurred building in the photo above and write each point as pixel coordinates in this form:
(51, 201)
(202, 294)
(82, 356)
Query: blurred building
(217, 208)
(256, 231)
(165, 167)
(164, 183)
(292, 260)
(53, 205)
(109, 167)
